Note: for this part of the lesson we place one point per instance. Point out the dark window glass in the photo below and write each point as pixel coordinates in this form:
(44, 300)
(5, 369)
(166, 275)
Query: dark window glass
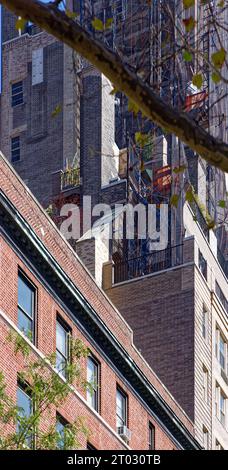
(24, 402)
(221, 296)
(93, 379)
(17, 93)
(90, 446)
(26, 306)
(151, 436)
(202, 265)
(62, 347)
(15, 149)
(121, 408)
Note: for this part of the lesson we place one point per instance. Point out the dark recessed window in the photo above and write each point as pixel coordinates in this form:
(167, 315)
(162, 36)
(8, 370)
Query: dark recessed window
(151, 436)
(121, 408)
(25, 410)
(90, 446)
(62, 346)
(202, 265)
(93, 369)
(17, 93)
(26, 306)
(15, 149)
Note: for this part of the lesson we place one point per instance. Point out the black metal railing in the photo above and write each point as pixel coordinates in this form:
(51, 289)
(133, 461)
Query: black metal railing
(147, 264)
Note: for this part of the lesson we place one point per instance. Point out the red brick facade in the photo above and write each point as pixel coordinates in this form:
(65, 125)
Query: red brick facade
(103, 425)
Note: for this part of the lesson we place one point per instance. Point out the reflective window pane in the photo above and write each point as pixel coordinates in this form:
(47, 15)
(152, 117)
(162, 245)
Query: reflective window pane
(92, 378)
(121, 408)
(25, 324)
(61, 339)
(25, 296)
(60, 429)
(24, 402)
(61, 363)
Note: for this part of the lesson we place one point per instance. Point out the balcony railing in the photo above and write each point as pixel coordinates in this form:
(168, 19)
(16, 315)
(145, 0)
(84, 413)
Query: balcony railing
(148, 263)
(70, 178)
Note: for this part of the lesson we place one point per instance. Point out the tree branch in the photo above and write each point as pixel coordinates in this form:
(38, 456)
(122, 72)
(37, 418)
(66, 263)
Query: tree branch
(57, 23)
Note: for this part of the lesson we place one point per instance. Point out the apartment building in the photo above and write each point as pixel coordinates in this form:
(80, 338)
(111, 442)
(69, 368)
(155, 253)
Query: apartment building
(57, 119)
(38, 264)
(176, 302)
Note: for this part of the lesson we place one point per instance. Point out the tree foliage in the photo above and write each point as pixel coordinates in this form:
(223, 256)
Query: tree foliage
(48, 390)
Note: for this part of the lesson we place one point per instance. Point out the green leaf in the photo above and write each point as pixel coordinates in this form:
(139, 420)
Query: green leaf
(197, 80)
(20, 24)
(218, 58)
(71, 14)
(187, 56)
(132, 107)
(179, 169)
(189, 23)
(97, 24)
(215, 77)
(108, 23)
(221, 4)
(188, 3)
(174, 200)
(189, 196)
(56, 111)
(141, 139)
(222, 204)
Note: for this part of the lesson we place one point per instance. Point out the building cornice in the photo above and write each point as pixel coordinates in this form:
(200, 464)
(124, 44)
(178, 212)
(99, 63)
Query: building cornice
(23, 236)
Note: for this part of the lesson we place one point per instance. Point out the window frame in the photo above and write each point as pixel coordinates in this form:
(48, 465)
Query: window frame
(205, 383)
(33, 288)
(222, 409)
(124, 396)
(25, 389)
(61, 420)
(202, 264)
(151, 440)
(68, 331)
(205, 323)
(17, 97)
(97, 388)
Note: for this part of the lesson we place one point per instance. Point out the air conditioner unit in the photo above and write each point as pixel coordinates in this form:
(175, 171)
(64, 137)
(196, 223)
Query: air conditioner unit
(124, 433)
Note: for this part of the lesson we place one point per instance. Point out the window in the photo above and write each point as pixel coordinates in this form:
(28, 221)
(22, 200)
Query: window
(220, 405)
(205, 323)
(60, 429)
(205, 384)
(93, 368)
(221, 350)
(25, 404)
(205, 438)
(15, 149)
(121, 408)
(151, 437)
(221, 296)
(62, 346)
(26, 306)
(202, 265)
(222, 408)
(17, 93)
